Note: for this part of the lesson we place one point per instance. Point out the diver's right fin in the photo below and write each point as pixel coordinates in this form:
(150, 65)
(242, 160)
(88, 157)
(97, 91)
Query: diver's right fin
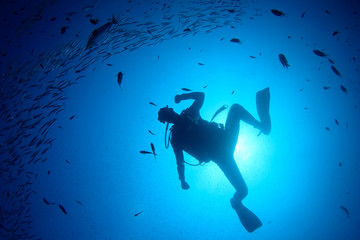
(262, 105)
(247, 218)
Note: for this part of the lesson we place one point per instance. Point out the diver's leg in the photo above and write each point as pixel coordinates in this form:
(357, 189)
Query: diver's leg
(247, 218)
(263, 105)
(237, 113)
(232, 173)
(232, 125)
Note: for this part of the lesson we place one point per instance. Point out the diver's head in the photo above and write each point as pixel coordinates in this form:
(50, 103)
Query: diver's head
(167, 114)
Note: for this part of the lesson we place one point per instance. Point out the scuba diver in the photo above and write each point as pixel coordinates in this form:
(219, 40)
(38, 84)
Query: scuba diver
(208, 141)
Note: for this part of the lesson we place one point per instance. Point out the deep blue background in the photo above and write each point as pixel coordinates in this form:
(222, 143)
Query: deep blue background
(296, 183)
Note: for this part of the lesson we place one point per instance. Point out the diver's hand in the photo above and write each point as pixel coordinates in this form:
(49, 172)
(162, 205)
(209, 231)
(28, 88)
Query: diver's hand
(177, 98)
(184, 185)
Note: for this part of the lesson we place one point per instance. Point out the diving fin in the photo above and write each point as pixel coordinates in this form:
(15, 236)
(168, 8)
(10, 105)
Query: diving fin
(262, 105)
(247, 218)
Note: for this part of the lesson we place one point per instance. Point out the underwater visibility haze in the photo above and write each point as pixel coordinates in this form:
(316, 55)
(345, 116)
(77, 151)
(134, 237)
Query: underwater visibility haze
(82, 153)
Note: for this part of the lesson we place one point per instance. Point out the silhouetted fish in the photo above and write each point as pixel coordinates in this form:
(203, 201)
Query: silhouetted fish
(336, 121)
(151, 103)
(284, 61)
(151, 132)
(277, 12)
(333, 68)
(63, 29)
(72, 117)
(137, 214)
(97, 33)
(46, 202)
(153, 149)
(94, 21)
(145, 152)
(335, 33)
(319, 53)
(119, 79)
(62, 209)
(343, 88)
(346, 211)
(80, 203)
(327, 128)
(326, 88)
(186, 89)
(219, 111)
(303, 14)
(235, 40)
(201, 64)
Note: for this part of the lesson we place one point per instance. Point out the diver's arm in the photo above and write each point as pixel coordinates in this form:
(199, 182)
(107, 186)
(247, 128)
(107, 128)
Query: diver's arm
(197, 96)
(180, 165)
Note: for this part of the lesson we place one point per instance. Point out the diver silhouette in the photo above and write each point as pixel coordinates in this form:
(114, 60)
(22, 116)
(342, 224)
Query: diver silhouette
(207, 141)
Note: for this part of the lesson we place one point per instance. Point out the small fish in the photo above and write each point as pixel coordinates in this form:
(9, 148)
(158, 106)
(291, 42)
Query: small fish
(326, 88)
(205, 86)
(340, 164)
(80, 203)
(94, 21)
(151, 103)
(201, 64)
(153, 149)
(232, 93)
(63, 29)
(46, 201)
(72, 117)
(145, 152)
(343, 88)
(62, 209)
(67, 161)
(327, 128)
(99, 32)
(336, 121)
(119, 79)
(320, 53)
(149, 32)
(327, 11)
(335, 33)
(303, 14)
(151, 132)
(283, 61)
(187, 30)
(219, 111)
(333, 68)
(346, 211)
(137, 214)
(331, 61)
(277, 12)
(186, 89)
(109, 64)
(231, 10)
(235, 40)
(252, 57)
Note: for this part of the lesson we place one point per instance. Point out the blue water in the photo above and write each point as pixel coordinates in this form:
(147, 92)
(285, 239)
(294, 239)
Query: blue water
(300, 177)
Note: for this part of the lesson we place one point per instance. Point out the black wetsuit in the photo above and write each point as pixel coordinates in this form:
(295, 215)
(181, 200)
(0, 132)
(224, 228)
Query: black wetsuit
(207, 141)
